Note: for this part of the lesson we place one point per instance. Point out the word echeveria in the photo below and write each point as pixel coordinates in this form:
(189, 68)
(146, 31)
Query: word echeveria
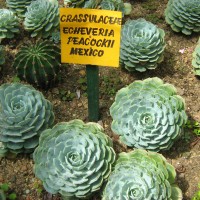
(24, 114)
(73, 159)
(142, 45)
(148, 114)
(142, 175)
(183, 15)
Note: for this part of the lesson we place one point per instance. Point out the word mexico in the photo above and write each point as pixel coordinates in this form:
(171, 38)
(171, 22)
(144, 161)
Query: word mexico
(90, 36)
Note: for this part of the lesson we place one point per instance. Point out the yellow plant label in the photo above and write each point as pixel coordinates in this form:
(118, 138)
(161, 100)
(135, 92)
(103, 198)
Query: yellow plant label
(90, 36)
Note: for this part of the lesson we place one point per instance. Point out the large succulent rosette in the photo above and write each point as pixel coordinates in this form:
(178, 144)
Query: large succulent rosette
(148, 114)
(142, 45)
(140, 175)
(24, 114)
(73, 159)
(42, 18)
(9, 24)
(196, 59)
(183, 15)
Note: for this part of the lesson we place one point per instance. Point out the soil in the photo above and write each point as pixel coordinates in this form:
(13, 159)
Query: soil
(70, 102)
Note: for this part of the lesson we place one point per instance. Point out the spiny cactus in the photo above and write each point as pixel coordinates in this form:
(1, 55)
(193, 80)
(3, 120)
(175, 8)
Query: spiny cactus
(9, 24)
(42, 18)
(24, 114)
(38, 63)
(196, 59)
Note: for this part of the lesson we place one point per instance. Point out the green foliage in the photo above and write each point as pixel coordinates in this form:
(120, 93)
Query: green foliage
(38, 63)
(73, 158)
(55, 37)
(183, 15)
(142, 175)
(3, 150)
(197, 195)
(148, 114)
(18, 6)
(66, 95)
(194, 126)
(42, 18)
(9, 24)
(82, 3)
(196, 59)
(24, 114)
(2, 55)
(142, 45)
(6, 193)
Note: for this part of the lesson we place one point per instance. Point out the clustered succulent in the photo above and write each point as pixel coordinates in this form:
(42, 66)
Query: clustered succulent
(142, 45)
(9, 24)
(196, 59)
(38, 63)
(148, 114)
(42, 18)
(2, 55)
(24, 114)
(142, 175)
(73, 159)
(18, 6)
(183, 15)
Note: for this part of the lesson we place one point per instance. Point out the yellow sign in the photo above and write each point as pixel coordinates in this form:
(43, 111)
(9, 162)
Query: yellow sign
(90, 36)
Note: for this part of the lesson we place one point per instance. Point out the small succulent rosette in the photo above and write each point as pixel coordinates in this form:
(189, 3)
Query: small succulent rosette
(148, 115)
(140, 175)
(183, 16)
(42, 18)
(24, 114)
(74, 159)
(142, 45)
(196, 59)
(9, 24)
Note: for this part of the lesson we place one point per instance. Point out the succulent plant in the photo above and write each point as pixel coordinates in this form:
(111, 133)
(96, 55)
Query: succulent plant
(117, 5)
(18, 6)
(82, 3)
(24, 114)
(9, 24)
(55, 37)
(183, 15)
(73, 159)
(2, 55)
(196, 59)
(3, 150)
(42, 18)
(148, 115)
(142, 45)
(38, 63)
(142, 175)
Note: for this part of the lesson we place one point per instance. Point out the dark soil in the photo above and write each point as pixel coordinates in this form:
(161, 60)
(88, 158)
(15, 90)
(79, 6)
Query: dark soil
(175, 69)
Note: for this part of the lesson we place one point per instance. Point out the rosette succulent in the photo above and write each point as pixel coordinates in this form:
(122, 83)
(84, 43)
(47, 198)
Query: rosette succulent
(38, 63)
(142, 45)
(24, 114)
(140, 175)
(183, 15)
(82, 3)
(42, 18)
(73, 159)
(9, 24)
(2, 55)
(196, 59)
(18, 6)
(148, 115)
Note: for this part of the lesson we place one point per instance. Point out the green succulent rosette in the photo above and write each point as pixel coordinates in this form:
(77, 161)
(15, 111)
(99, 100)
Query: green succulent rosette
(38, 63)
(42, 18)
(183, 16)
(117, 5)
(18, 6)
(196, 59)
(2, 55)
(82, 3)
(148, 115)
(140, 175)
(24, 114)
(142, 45)
(9, 24)
(73, 159)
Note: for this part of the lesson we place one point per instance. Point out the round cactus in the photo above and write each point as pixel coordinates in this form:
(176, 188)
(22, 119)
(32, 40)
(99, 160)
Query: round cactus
(183, 15)
(18, 6)
(24, 114)
(196, 59)
(9, 24)
(142, 175)
(148, 115)
(142, 45)
(42, 18)
(38, 63)
(73, 159)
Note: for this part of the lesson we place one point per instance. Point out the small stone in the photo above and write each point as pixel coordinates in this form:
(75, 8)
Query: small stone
(27, 191)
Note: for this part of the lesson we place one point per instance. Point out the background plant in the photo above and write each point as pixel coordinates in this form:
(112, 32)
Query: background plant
(6, 193)
(2, 55)
(197, 194)
(196, 59)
